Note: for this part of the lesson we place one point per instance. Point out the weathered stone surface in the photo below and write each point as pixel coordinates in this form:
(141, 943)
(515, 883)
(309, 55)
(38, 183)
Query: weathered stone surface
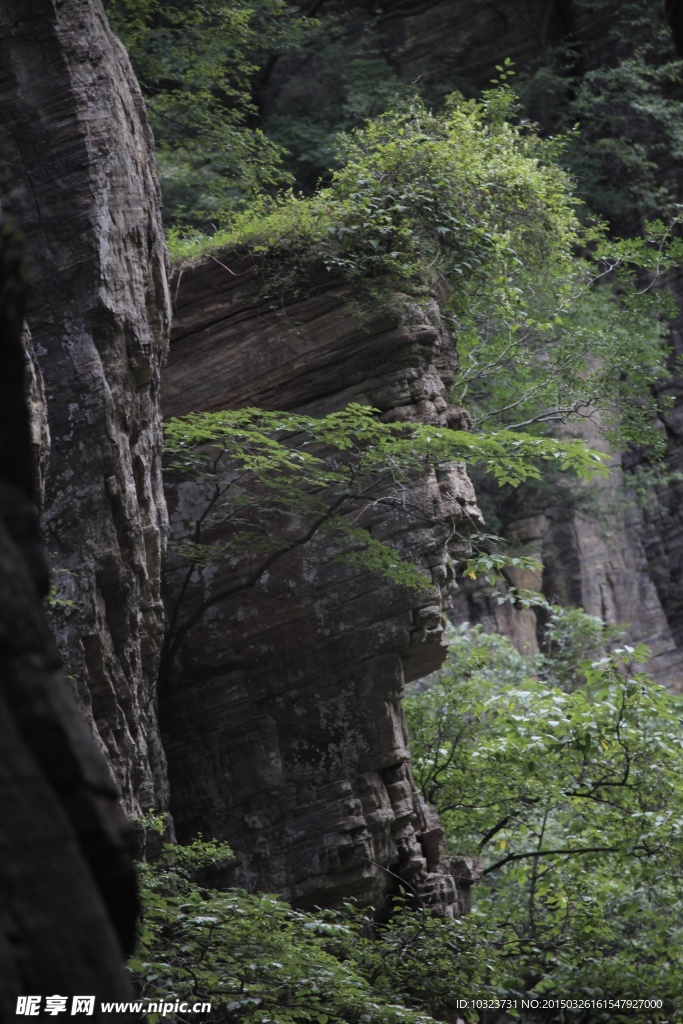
(604, 563)
(76, 151)
(660, 526)
(593, 556)
(67, 881)
(472, 36)
(630, 571)
(281, 715)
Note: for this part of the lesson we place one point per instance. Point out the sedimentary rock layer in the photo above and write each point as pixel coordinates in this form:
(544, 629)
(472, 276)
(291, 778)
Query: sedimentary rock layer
(281, 714)
(609, 556)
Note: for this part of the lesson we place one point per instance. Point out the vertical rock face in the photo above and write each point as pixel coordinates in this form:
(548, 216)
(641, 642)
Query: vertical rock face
(661, 526)
(597, 555)
(281, 714)
(602, 564)
(67, 882)
(472, 36)
(76, 157)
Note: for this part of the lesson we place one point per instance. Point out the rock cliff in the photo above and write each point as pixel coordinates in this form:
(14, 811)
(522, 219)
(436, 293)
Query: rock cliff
(287, 736)
(613, 556)
(76, 157)
(67, 882)
(281, 715)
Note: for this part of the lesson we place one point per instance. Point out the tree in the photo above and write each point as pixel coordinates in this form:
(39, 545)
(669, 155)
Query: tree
(265, 483)
(471, 207)
(575, 803)
(251, 957)
(622, 85)
(545, 338)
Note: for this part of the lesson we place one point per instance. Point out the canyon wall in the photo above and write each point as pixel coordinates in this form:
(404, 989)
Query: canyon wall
(291, 708)
(76, 174)
(613, 554)
(620, 556)
(290, 744)
(67, 880)
(76, 161)
(281, 714)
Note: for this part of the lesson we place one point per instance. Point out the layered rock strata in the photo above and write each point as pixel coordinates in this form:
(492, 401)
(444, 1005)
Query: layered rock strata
(76, 154)
(622, 562)
(612, 558)
(281, 714)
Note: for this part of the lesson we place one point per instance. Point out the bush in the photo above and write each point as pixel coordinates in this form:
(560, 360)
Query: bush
(475, 208)
(574, 801)
(252, 957)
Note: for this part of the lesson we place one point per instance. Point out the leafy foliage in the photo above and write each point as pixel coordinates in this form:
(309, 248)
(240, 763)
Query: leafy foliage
(572, 798)
(256, 959)
(623, 89)
(253, 956)
(457, 191)
(198, 64)
(566, 781)
(208, 69)
(575, 803)
(251, 436)
(356, 79)
(268, 482)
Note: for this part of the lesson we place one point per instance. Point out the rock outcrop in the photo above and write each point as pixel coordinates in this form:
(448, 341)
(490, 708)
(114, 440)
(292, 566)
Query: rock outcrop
(610, 556)
(76, 157)
(281, 717)
(67, 881)
(622, 560)
(624, 563)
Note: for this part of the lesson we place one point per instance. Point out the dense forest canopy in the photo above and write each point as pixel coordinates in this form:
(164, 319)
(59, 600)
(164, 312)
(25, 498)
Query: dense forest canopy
(539, 205)
(228, 72)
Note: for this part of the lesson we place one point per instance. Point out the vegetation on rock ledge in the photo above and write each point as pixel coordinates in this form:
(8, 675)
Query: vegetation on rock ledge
(553, 321)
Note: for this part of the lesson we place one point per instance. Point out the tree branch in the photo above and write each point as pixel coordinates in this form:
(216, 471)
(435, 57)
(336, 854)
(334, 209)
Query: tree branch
(567, 852)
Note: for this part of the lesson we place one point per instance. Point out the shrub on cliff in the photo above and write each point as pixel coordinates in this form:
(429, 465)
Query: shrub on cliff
(253, 957)
(197, 64)
(266, 483)
(553, 321)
